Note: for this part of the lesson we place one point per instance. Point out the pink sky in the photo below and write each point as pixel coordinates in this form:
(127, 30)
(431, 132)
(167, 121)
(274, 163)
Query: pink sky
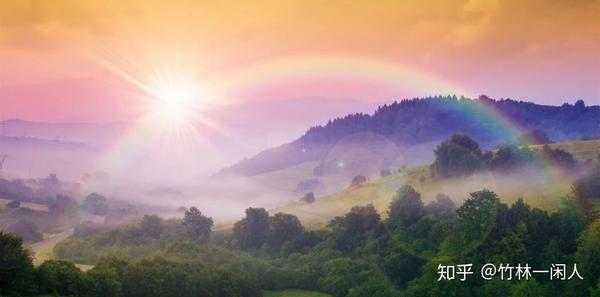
(85, 61)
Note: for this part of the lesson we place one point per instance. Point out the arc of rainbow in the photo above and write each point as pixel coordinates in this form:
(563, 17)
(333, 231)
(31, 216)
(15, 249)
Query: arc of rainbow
(295, 68)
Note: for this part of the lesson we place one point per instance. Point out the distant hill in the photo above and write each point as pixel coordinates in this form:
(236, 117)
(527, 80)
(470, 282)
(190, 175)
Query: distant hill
(406, 132)
(89, 133)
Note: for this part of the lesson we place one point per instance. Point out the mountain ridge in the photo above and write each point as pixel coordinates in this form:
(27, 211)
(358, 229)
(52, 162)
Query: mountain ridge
(417, 121)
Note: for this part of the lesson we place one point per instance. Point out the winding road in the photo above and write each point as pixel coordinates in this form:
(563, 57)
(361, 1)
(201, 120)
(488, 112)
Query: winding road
(48, 242)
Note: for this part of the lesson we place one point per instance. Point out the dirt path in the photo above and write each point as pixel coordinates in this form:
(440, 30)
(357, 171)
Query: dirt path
(48, 243)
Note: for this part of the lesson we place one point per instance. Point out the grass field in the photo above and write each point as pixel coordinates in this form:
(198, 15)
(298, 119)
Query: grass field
(538, 190)
(294, 293)
(32, 206)
(581, 150)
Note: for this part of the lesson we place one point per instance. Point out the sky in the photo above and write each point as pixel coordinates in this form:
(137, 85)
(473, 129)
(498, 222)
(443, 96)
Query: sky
(105, 61)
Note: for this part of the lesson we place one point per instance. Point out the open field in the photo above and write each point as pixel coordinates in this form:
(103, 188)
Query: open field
(582, 150)
(30, 205)
(294, 293)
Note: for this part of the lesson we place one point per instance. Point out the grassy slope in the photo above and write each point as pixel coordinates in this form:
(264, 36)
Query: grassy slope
(294, 293)
(30, 205)
(286, 179)
(539, 192)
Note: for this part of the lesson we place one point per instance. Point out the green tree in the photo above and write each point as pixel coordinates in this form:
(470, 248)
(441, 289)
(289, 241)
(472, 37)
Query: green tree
(343, 274)
(252, 231)
(588, 254)
(428, 285)
(354, 228)
(460, 155)
(283, 228)
(16, 268)
(406, 208)
(529, 288)
(508, 157)
(152, 225)
(58, 278)
(442, 207)
(476, 218)
(198, 225)
(95, 204)
(99, 282)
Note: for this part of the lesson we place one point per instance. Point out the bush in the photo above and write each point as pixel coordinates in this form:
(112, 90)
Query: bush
(358, 181)
(14, 204)
(308, 198)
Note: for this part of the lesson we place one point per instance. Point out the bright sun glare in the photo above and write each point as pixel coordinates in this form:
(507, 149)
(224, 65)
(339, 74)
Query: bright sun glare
(175, 104)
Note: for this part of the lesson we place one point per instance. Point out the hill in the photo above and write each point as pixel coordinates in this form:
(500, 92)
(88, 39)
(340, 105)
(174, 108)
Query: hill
(536, 190)
(401, 126)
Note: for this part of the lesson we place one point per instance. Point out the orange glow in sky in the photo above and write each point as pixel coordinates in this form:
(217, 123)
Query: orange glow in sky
(102, 60)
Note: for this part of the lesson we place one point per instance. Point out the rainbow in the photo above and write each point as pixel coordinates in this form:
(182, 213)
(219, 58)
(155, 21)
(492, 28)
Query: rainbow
(401, 80)
(233, 85)
(509, 130)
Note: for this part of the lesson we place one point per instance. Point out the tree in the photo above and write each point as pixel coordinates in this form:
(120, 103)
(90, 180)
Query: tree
(308, 198)
(442, 208)
(303, 242)
(355, 227)
(152, 225)
(476, 218)
(58, 278)
(529, 288)
(283, 228)
(460, 155)
(358, 181)
(534, 137)
(588, 254)
(199, 226)
(343, 274)
(560, 158)
(95, 204)
(27, 230)
(14, 204)
(16, 267)
(406, 208)
(590, 181)
(64, 205)
(50, 186)
(508, 157)
(252, 231)
(100, 283)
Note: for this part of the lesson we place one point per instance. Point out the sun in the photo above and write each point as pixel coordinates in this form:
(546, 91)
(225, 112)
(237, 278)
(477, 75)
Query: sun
(175, 104)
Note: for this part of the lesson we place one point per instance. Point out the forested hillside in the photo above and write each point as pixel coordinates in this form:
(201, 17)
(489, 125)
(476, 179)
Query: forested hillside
(423, 120)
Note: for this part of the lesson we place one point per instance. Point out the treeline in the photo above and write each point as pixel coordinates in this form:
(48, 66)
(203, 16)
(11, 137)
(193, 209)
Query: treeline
(461, 155)
(363, 254)
(198, 275)
(420, 120)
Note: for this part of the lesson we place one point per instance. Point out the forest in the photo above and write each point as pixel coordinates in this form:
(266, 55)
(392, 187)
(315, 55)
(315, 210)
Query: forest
(362, 253)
